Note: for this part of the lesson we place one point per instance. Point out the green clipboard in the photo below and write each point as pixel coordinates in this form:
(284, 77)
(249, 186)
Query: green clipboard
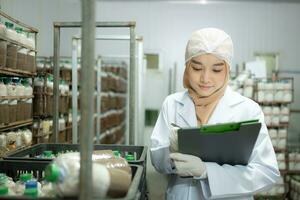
(228, 143)
(225, 127)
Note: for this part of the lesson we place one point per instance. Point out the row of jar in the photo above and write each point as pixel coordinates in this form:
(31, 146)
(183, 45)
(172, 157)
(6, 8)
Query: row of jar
(26, 186)
(39, 84)
(281, 165)
(276, 120)
(15, 110)
(295, 188)
(285, 84)
(277, 189)
(294, 161)
(279, 143)
(278, 133)
(15, 57)
(281, 161)
(294, 165)
(274, 96)
(16, 138)
(15, 87)
(43, 104)
(46, 63)
(45, 126)
(12, 32)
(276, 110)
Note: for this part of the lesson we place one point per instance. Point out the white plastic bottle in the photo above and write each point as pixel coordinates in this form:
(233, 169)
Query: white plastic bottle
(2, 28)
(47, 189)
(6, 185)
(32, 188)
(20, 184)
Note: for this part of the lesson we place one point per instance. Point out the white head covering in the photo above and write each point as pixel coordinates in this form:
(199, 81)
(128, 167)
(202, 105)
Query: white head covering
(210, 40)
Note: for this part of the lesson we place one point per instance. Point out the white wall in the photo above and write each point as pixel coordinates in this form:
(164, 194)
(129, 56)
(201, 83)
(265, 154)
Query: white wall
(254, 27)
(41, 14)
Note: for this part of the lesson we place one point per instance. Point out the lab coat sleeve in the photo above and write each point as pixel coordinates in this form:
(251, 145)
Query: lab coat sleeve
(261, 173)
(159, 151)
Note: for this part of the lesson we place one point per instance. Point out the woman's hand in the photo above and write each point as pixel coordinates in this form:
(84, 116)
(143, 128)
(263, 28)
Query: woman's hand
(188, 165)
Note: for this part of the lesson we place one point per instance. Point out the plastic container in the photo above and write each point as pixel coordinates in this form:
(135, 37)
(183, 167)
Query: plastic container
(6, 185)
(10, 32)
(30, 62)
(38, 85)
(12, 169)
(20, 110)
(2, 29)
(11, 56)
(30, 153)
(20, 184)
(3, 89)
(12, 105)
(11, 87)
(4, 112)
(20, 89)
(21, 35)
(21, 59)
(2, 140)
(28, 109)
(38, 104)
(3, 52)
(27, 137)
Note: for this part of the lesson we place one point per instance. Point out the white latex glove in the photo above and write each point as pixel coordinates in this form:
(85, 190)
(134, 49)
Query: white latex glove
(173, 139)
(188, 165)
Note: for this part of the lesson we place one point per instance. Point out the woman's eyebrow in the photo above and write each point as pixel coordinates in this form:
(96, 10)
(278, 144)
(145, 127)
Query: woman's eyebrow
(196, 62)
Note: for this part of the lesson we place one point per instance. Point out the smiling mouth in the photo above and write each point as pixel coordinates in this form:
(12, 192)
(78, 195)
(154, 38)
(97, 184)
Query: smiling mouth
(205, 87)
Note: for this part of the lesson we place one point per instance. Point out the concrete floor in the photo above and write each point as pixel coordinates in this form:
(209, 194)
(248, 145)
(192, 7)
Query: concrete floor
(156, 183)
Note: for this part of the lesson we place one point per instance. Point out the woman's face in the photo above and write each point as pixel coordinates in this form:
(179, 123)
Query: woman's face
(207, 74)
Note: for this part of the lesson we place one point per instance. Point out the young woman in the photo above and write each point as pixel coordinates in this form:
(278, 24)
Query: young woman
(209, 100)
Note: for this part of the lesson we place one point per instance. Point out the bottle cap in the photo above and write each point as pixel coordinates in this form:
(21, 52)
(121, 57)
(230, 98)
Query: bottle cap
(9, 25)
(3, 190)
(31, 184)
(117, 153)
(129, 157)
(33, 192)
(18, 29)
(52, 173)
(25, 177)
(47, 153)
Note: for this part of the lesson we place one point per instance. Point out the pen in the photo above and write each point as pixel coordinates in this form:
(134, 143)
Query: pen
(175, 125)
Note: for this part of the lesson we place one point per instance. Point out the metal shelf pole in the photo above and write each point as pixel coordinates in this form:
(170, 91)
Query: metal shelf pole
(87, 99)
(74, 92)
(56, 82)
(132, 87)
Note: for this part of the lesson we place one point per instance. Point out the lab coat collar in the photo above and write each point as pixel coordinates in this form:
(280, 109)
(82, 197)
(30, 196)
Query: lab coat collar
(221, 113)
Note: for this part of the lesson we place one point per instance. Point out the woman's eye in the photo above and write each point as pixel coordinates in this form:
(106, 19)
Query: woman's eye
(197, 68)
(217, 70)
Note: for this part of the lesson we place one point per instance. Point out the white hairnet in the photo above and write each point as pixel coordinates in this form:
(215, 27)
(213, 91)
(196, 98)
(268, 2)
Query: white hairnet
(210, 41)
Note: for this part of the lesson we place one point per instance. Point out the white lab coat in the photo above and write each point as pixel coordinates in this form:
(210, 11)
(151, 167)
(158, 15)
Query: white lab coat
(226, 181)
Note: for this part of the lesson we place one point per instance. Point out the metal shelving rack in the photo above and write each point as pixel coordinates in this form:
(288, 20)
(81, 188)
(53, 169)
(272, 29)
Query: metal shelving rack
(140, 53)
(88, 25)
(285, 172)
(18, 73)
